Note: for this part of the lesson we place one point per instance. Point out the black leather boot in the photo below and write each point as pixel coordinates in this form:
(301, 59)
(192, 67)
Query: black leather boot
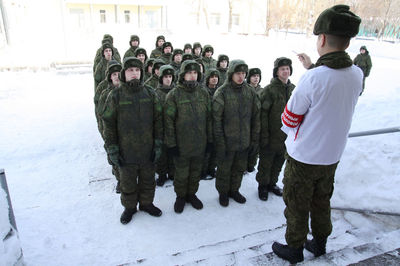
(262, 193)
(275, 189)
(236, 196)
(126, 216)
(161, 180)
(151, 209)
(293, 255)
(179, 204)
(194, 200)
(317, 247)
(223, 199)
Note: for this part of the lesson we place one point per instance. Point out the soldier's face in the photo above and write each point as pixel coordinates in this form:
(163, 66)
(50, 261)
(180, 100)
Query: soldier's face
(188, 50)
(255, 79)
(167, 50)
(178, 58)
(132, 73)
(135, 43)
(213, 80)
(141, 57)
(115, 78)
(283, 73)
(208, 54)
(197, 51)
(108, 54)
(167, 80)
(362, 51)
(157, 72)
(223, 64)
(160, 42)
(238, 77)
(191, 75)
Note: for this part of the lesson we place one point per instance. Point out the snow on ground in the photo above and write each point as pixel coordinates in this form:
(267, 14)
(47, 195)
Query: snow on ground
(62, 189)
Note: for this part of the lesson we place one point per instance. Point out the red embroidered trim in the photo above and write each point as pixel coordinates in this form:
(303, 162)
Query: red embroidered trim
(291, 119)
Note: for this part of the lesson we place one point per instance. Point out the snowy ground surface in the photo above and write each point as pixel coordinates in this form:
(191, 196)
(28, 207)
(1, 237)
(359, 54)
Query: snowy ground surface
(62, 188)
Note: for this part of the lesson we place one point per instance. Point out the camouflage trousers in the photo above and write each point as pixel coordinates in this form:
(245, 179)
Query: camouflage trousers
(252, 160)
(209, 162)
(230, 171)
(187, 175)
(307, 192)
(165, 164)
(269, 166)
(137, 184)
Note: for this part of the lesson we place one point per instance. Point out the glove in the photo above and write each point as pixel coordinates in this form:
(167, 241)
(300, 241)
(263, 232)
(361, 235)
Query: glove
(173, 151)
(253, 149)
(113, 155)
(156, 154)
(209, 147)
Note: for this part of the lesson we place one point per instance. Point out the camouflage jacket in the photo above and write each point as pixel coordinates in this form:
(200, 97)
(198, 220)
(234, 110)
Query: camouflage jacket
(188, 121)
(363, 61)
(132, 120)
(208, 63)
(236, 116)
(99, 56)
(166, 58)
(222, 75)
(152, 82)
(274, 98)
(100, 72)
(130, 52)
(156, 53)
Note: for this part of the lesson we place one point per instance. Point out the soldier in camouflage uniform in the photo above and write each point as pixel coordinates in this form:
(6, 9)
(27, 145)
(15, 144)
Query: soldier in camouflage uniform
(166, 56)
(101, 68)
(209, 164)
(187, 49)
(148, 68)
(106, 39)
(197, 49)
(112, 82)
(363, 61)
(141, 54)
(133, 132)
(273, 100)
(155, 74)
(319, 112)
(158, 51)
(133, 45)
(236, 126)
(253, 79)
(222, 67)
(207, 59)
(188, 133)
(165, 165)
(176, 59)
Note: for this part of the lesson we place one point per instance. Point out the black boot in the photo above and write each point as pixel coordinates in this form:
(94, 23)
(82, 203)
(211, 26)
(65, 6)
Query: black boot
(317, 247)
(223, 199)
(262, 193)
(236, 196)
(161, 180)
(170, 177)
(118, 188)
(179, 204)
(250, 169)
(275, 189)
(194, 200)
(126, 216)
(293, 255)
(151, 209)
(203, 175)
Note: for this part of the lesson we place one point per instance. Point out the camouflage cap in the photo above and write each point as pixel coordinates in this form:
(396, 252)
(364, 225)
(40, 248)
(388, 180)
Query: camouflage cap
(135, 38)
(177, 51)
(337, 20)
(187, 46)
(253, 71)
(108, 36)
(281, 61)
(166, 70)
(207, 48)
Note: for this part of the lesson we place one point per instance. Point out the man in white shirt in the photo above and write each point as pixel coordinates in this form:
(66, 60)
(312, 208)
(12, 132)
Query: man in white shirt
(317, 120)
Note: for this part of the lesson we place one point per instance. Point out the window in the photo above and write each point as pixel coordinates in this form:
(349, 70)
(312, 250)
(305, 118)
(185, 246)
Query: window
(78, 17)
(235, 19)
(215, 19)
(127, 14)
(102, 16)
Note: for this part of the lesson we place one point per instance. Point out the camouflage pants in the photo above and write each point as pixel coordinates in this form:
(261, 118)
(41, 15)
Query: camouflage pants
(137, 184)
(115, 172)
(209, 162)
(252, 160)
(187, 175)
(230, 171)
(270, 166)
(165, 164)
(307, 192)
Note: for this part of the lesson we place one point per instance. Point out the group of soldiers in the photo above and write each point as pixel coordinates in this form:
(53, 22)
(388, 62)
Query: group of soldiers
(186, 116)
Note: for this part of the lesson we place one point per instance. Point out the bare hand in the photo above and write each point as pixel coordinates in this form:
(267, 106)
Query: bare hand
(305, 60)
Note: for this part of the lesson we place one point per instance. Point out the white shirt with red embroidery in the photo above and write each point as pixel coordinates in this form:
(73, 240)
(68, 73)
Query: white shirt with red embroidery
(317, 117)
